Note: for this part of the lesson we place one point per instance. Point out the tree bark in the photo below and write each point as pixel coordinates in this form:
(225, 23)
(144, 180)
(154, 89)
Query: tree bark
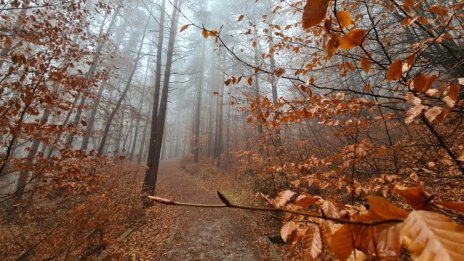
(156, 137)
(123, 94)
(199, 94)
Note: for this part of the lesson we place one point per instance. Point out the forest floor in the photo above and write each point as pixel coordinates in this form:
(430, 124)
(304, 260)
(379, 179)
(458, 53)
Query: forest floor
(185, 233)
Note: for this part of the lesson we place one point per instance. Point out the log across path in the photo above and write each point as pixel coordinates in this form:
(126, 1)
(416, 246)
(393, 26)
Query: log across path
(203, 234)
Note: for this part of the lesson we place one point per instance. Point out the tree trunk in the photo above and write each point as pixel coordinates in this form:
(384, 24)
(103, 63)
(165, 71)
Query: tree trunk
(91, 73)
(123, 94)
(156, 136)
(199, 94)
(154, 113)
(139, 116)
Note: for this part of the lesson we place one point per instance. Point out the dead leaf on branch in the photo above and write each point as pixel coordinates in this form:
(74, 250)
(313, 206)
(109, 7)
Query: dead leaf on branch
(314, 12)
(416, 197)
(282, 198)
(344, 17)
(353, 38)
(394, 71)
(383, 209)
(432, 236)
(413, 113)
(287, 229)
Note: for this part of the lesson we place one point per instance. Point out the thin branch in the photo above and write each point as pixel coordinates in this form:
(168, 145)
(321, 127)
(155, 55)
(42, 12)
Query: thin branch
(228, 204)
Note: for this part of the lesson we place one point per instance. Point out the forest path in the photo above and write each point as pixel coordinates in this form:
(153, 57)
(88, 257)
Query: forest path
(200, 233)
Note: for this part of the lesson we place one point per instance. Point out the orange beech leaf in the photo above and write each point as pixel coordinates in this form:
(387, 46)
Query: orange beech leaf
(387, 244)
(432, 236)
(314, 12)
(331, 46)
(283, 197)
(183, 28)
(344, 17)
(433, 113)
(422, 82)
(384, 209)
(394, 71)
(250, 80)
(454, 91)
(352, 39)
(205, 33)
(279, 72)
(413, 113)
(312, 246)
(341, 243)
(419, 82)
(240, 18)
(365, 64)
(416, 197)
(287, 229)
(306, 200)
(438, 10)
(329, 209)
(457, 206)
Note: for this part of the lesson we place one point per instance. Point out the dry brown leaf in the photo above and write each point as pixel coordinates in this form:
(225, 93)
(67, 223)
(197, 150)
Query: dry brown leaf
(205, 33)
(283, 197)
(366, 64)
(312, 247)
(387, 244)
(438, 10)
(184, 27)
(314, 12)
(454, 91)
(352, 39)
(382, 208)
(413, 113)
(457, 206)
(305, 200)
(329, 209)
(341, 243)
(250, 80)
(394, 71)
(432, 113)
(279, 72)
(331, 46)
(432, 236)
(419, 82)
(288, 229)
(344, 17)
(416, 197)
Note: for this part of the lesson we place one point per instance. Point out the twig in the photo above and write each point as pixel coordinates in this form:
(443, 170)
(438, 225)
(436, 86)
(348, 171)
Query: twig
(228, 204)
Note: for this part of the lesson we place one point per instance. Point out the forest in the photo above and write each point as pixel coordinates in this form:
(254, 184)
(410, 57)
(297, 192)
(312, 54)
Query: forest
(232, 130)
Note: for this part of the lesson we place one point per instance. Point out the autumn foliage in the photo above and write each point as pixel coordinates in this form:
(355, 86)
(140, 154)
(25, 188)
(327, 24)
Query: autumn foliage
(375, 115)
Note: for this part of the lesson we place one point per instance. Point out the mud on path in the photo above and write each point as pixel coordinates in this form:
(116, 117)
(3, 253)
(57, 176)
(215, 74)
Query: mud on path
(194, 233)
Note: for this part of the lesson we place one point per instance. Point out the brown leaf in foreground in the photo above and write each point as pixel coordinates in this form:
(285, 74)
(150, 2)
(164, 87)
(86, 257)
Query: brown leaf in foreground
(431, 236)
(314, 12)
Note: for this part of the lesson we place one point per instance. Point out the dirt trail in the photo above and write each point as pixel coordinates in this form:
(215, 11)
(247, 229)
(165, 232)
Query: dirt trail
(203, 234)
